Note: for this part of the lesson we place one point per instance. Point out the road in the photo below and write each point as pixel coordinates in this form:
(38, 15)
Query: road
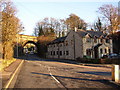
(42, 73)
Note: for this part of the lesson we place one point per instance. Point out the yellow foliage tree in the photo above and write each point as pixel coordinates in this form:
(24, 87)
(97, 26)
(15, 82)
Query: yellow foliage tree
(10, 26)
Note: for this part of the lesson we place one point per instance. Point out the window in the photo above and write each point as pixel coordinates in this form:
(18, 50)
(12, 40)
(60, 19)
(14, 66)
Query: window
(51, 52)
(95, 40)
(88, 39)
(105, 50)
(88, 52)
(107, 41)
(57, 52)
(67, 53)
(66, 43)
(71, 42)
(60, 53)
(101, 40)
(61, 45)
(109, 51)
(54, 53)
(101, 51)
(64, 53)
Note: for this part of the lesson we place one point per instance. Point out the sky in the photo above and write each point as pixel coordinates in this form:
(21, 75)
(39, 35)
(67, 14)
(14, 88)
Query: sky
(32, 11)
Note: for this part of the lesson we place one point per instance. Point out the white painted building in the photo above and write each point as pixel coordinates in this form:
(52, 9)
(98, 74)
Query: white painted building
(80, 43)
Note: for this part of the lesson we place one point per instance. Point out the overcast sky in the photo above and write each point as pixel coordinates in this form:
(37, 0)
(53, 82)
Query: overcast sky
(31, 11)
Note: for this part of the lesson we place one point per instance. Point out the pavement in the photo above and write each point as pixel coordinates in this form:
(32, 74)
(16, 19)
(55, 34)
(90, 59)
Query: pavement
(9, 71)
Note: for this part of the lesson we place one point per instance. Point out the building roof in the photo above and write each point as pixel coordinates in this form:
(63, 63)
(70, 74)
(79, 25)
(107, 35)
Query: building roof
(58, 40)
(83, 33)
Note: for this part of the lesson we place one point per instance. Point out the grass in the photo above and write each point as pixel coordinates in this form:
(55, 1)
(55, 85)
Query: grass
(5, 63)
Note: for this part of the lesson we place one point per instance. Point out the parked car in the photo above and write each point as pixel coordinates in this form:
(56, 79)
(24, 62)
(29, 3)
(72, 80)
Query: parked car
(104, 56)
(113, 55)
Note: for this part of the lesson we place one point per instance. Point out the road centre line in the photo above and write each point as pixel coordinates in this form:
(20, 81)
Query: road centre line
(54, 78)
(50, 73)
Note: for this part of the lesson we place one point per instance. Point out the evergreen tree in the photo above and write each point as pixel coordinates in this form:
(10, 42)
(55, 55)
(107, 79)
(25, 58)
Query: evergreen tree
(98, 25)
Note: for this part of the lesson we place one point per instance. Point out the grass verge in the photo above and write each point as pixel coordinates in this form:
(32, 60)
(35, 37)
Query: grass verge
(5, 63)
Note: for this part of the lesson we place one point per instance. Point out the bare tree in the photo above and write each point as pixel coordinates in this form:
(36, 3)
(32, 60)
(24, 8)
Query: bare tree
(110, 16)
(45, 27)
(49, 26)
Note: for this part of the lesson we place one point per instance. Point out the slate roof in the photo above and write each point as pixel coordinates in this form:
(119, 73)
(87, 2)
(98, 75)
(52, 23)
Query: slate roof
(83, 33)
(58, 40)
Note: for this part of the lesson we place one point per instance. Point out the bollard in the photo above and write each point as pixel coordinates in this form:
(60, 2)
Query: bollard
(115, 73)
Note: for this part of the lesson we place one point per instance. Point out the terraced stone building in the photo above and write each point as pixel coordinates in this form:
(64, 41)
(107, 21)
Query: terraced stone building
(80, 43)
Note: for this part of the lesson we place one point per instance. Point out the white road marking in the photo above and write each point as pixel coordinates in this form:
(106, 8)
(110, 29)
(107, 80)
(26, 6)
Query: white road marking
(54, 78)
(50, 73)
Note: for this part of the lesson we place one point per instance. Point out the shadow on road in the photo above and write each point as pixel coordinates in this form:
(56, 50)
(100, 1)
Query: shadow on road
(97, 73)
(74, 78)
(35, 57)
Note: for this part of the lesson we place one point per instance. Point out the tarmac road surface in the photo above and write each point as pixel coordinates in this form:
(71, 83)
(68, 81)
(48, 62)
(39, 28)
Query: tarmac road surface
(42, 73)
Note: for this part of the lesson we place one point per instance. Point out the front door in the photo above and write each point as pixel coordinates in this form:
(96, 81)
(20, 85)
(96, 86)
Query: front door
(96, 52)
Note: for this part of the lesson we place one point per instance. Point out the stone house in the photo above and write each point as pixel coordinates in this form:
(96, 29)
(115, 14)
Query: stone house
(80, 43)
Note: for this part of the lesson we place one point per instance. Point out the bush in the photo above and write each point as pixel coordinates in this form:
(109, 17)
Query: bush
(88, 60)
(98, 61)
(110, 61)
(95, 61)
(83, 60)
(86, 57)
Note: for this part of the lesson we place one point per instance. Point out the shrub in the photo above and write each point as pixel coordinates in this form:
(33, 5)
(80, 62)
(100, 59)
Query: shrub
(110, 61)
(83, 60)
(95, 61)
